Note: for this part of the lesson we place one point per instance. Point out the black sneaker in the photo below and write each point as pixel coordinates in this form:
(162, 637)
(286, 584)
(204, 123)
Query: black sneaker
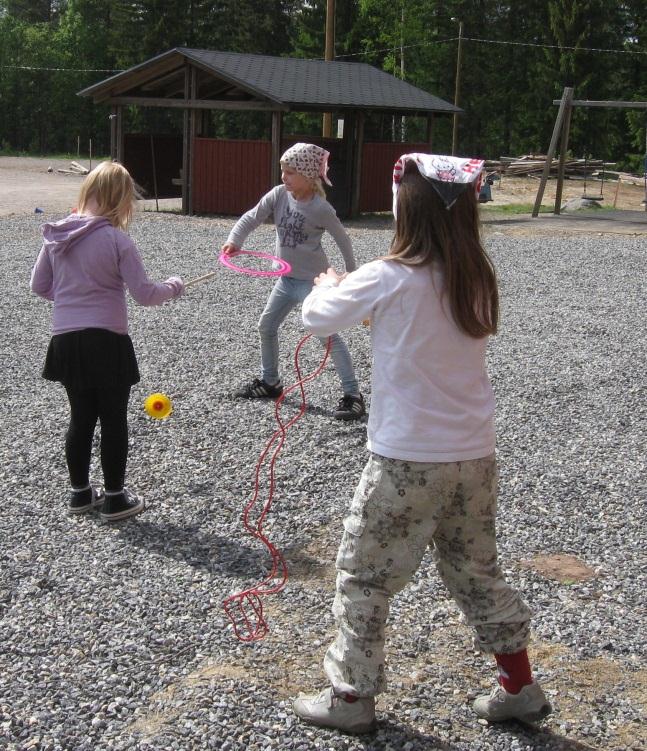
(121, 506)
(85, 500)
(350, 407)
(258, 389)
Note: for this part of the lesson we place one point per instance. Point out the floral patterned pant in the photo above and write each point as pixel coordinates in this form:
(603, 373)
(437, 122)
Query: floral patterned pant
(400, 508)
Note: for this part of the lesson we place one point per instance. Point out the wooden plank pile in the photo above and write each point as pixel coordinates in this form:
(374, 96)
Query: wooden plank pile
(532, 165)
(75, 169)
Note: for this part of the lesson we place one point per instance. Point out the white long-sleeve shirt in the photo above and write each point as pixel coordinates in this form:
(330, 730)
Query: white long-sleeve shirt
(431, 398)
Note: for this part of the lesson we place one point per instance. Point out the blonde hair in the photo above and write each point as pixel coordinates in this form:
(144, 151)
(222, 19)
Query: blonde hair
(317, 184)
(112, 188)
(319, 188)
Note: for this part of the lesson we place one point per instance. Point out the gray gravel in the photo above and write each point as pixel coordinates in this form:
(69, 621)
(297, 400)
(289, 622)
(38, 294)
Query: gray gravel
(114, 637)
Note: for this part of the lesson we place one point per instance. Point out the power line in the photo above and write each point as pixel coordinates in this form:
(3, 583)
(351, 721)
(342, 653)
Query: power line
(375, 52)
(494, 41)
(72, 70)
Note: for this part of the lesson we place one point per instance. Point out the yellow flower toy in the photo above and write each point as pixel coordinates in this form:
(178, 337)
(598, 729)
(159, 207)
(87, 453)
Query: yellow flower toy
(158, 406)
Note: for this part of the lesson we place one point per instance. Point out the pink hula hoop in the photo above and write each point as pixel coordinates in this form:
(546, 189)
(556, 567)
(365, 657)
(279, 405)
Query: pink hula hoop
(284, 266)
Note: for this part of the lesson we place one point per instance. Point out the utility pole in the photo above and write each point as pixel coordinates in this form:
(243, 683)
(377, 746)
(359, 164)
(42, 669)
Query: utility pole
(329, 57)
(457, 87)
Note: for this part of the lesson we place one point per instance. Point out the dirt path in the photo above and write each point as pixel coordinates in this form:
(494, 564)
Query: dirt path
(26, 184)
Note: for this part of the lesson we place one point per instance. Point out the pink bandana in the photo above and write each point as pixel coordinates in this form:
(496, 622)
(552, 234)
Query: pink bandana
(309, 160)
(449, 175)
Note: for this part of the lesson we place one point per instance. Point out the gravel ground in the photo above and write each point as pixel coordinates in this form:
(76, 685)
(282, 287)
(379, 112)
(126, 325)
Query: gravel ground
(114, 637)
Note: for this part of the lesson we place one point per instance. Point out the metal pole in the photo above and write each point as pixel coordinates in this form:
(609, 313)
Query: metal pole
(457, 87)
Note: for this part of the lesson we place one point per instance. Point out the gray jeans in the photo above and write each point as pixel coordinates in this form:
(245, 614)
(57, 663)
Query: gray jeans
(286, 294)
(399, 509)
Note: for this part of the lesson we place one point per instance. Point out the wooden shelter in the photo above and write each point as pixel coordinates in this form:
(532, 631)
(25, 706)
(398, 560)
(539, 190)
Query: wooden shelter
(197, 81)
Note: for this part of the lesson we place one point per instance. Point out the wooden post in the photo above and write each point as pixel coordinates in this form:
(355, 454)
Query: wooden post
(566, 129)
(186, 137)
(193, 125)
(329, 56)
(157, 206)
(116, 133)
(113, 132)
(567, 98)
(356, 181)
(429, 136)
(349, 144)
(276, 150)
(615, 195)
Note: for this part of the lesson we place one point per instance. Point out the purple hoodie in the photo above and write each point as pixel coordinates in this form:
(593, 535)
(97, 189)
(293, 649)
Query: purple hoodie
(83, 266)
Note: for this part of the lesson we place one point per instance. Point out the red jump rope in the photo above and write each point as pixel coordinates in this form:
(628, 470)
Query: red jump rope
(245, 609)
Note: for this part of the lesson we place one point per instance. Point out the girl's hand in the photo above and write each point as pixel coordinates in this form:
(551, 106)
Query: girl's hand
(177, 285)
(229, 249)
(331, 274)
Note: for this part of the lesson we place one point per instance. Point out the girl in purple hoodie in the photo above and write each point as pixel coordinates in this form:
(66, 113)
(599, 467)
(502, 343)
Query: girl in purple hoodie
(85, 264)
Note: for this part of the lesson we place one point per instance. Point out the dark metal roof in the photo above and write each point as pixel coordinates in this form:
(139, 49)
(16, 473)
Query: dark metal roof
(290, 83)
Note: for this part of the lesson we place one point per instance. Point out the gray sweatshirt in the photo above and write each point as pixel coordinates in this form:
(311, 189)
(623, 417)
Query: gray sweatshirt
(299, 227)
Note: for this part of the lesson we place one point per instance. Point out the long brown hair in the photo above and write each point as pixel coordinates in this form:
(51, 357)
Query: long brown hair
(427, 232)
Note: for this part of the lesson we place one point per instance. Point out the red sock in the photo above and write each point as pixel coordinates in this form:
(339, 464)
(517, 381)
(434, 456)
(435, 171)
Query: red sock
(514, 671)
(350, 698)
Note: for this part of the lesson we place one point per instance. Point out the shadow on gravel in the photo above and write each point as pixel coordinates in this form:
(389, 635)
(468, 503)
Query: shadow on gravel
(192, 545)
(540, 738)
(218, 555)
(400, 736)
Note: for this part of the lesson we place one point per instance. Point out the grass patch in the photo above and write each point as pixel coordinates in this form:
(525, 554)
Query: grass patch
(514, 208)
(526, 208)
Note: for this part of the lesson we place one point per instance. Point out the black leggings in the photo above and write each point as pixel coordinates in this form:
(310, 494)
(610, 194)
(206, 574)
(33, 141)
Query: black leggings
(109, 406)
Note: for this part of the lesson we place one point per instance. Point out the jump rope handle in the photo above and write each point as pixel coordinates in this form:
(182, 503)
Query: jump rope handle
(199, 279)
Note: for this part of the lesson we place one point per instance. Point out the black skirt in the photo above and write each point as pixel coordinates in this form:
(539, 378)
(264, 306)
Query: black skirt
(91, 358)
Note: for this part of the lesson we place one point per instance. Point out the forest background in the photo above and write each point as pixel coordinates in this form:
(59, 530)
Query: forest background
(516, 58)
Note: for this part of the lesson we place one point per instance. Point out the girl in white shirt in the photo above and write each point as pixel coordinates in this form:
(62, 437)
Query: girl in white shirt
(431, 479)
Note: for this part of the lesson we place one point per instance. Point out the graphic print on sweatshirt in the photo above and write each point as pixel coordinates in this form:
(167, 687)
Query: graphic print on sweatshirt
(290, 229)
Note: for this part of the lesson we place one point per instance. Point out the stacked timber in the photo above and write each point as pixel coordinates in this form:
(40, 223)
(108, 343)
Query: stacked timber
(532, 165)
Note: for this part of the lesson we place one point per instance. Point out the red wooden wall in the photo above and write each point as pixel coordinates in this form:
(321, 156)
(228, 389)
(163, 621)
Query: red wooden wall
(229, 177)
(375, 193)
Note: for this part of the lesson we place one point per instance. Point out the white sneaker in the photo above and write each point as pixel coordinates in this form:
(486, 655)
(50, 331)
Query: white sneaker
(330, 711)
(529, 705)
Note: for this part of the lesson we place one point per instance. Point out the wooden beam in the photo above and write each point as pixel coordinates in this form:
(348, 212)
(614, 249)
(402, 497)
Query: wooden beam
(116, 134)
(350, 129)
(357, 166)
(186, 137)
(198, 104)
(611, 104)
(567, 98)
(113, 131)
(131, 80)
(563, 148)
(276, 150)
(193, 87)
